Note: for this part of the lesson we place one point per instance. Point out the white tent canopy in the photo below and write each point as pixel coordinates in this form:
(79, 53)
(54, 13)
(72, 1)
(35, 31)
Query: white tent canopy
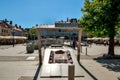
(11, 37)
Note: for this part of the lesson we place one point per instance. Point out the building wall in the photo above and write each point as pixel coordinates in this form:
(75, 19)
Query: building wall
(17, 33)
(70, 23)
(4, 31)
(46, 33)
(0, 30)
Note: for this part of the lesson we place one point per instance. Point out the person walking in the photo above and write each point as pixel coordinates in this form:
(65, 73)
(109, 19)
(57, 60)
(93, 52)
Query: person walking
(74, 44)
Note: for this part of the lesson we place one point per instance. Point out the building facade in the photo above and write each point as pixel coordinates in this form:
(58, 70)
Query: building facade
(69, 35)
(47, 33)
(7, 29)
(69, 23)
(4, 28)
(11, 34)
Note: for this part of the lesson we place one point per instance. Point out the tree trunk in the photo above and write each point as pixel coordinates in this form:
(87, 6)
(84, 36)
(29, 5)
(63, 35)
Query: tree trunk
(111, 46)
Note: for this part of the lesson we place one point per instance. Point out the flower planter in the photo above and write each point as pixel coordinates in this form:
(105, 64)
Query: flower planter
(30, 48)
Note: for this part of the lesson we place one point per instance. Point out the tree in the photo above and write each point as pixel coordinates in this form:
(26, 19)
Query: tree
(101, 17)
(32, 33)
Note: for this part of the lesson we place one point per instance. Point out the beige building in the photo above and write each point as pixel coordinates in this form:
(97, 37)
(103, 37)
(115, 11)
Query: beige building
(69, 23)
(10, 34)
(4, 29)
(7, 29)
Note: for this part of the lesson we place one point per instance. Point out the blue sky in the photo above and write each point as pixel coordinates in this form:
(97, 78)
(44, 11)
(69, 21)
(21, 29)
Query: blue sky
(28, 13)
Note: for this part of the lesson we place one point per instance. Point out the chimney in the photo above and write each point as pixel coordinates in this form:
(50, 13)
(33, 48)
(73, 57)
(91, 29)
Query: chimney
(19, 26)
(6, 20)
(16, 25)
(11, 22)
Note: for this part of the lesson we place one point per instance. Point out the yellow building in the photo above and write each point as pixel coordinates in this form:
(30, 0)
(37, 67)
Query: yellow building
(4, 30)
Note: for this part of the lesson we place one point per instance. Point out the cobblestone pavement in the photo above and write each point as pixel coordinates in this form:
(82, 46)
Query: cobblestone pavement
(99, 50)
(5, 46)
(101, 69)
(17, 64)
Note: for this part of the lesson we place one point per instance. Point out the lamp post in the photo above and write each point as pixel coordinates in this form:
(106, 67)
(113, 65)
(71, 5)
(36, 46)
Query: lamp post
(13, 32)
(26, 37)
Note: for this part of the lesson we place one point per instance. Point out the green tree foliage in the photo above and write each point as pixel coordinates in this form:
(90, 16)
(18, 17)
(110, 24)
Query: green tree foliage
(32, 33)
(101, 17)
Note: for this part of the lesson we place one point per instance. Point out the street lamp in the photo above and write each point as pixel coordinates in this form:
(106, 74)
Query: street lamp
(26, 37)
(13, 32)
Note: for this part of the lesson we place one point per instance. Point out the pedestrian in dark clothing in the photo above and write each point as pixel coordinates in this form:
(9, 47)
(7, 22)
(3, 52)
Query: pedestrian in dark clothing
(74, 44)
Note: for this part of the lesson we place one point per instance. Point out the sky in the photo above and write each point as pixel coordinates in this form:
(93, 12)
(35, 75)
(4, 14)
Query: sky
(28, 13)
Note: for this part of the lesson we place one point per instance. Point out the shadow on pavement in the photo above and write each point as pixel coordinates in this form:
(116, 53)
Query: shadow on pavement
(35, 77)
(92, 76)
(37, 73)
(111, 63)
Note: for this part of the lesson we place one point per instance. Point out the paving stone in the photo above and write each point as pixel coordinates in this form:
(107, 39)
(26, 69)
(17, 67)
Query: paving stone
(14, 66)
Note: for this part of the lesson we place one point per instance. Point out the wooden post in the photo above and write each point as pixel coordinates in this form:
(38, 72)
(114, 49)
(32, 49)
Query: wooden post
(71, 72)
(79, 44)
(39, 47)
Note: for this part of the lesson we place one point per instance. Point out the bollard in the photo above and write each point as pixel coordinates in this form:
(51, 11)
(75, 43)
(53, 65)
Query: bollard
(71, 71)
(86, 51)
